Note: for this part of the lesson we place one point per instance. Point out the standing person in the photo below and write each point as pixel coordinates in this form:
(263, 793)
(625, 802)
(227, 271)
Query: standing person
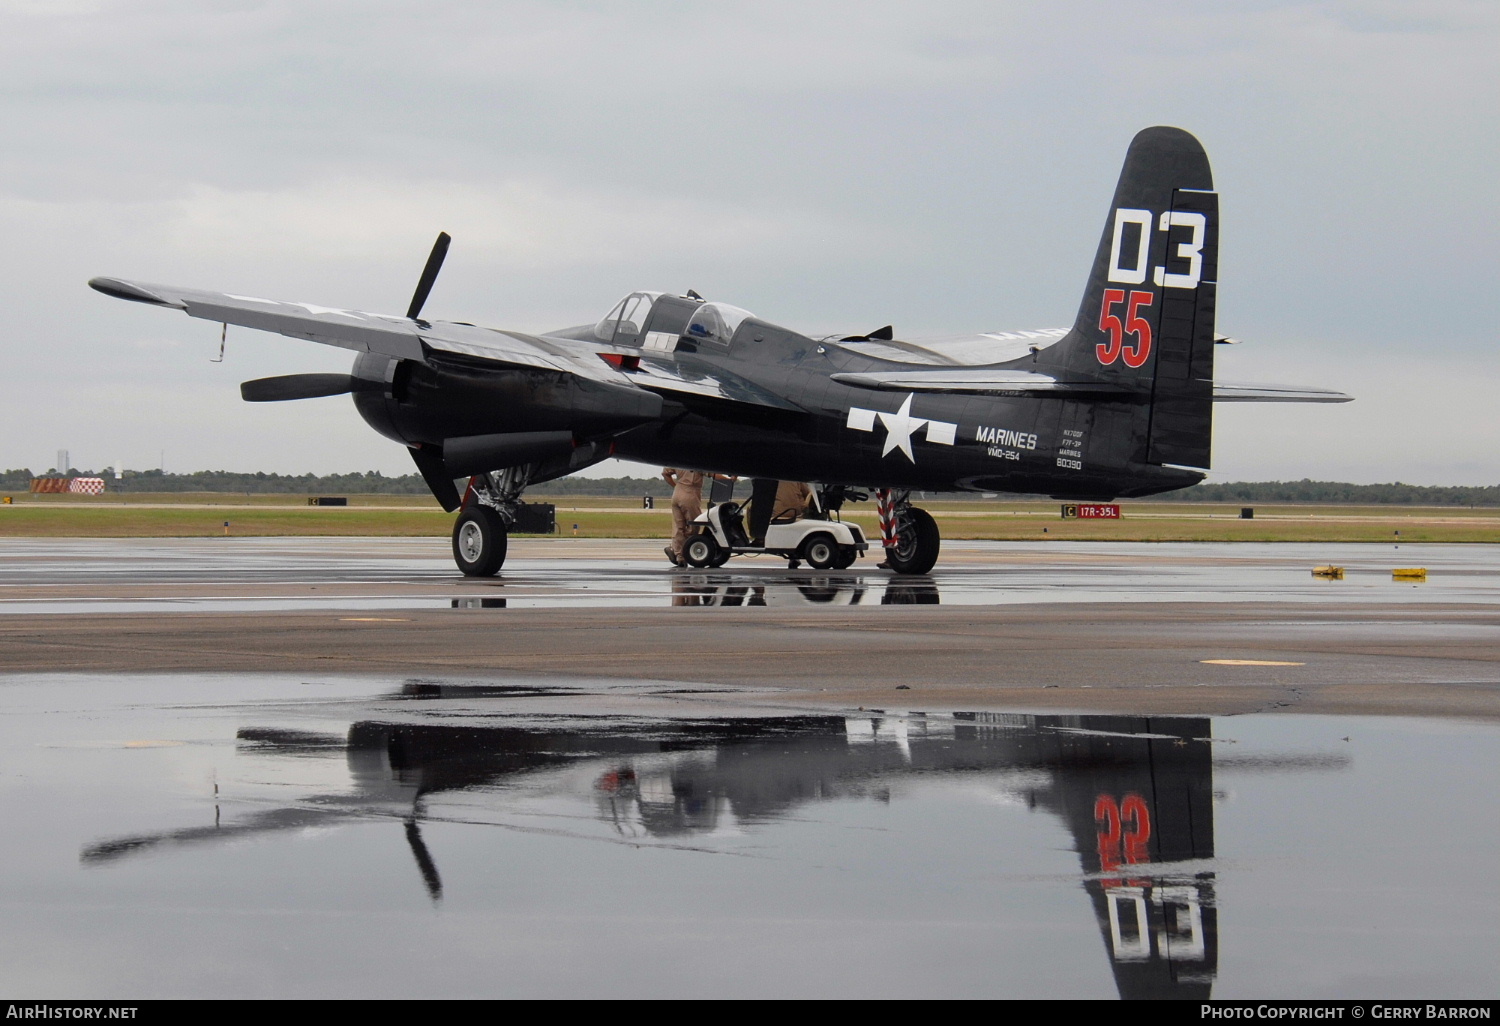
(687, 503)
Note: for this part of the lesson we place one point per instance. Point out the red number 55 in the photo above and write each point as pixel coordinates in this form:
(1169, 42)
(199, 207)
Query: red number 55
(1134, 355)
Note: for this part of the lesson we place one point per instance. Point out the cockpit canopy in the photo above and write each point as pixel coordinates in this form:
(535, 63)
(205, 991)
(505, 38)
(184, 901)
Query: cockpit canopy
(656, 321)
(715, 323)
(628, 319)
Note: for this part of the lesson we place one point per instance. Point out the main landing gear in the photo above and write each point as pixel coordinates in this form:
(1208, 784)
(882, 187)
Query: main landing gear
(481, 535)
(480, 538)
(909, 534)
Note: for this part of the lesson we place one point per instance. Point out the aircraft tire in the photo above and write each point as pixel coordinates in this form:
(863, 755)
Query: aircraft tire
(821, 552)
(479, 542)
(700, 551)
(917, 545)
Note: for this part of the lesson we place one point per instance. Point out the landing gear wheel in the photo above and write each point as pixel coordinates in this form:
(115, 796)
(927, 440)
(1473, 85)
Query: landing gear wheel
(700, 551)
(847, 556)
(479, 541)
(820, 552)
(917, 543)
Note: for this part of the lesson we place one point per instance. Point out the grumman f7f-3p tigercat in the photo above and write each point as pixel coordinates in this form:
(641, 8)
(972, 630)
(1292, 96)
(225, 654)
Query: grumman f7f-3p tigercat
(1119, 404)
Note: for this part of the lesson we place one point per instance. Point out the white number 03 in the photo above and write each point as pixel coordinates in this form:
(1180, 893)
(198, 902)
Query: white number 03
(1191, 250)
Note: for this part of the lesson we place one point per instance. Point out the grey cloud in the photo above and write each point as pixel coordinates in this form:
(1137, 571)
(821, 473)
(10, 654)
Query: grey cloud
(943, 166)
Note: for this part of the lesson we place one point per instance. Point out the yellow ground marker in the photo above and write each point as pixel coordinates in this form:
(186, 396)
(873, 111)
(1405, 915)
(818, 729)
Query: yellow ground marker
(1410, 573)
(1335, 573)
(1248, 662)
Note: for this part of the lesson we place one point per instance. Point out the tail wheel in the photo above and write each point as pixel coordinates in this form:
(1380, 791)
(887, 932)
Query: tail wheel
(917, 542)
(479, 541)
(700, 551)
(821, 552)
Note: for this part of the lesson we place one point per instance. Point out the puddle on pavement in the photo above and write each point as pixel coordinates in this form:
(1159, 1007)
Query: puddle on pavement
(281, 836)
(359, 574)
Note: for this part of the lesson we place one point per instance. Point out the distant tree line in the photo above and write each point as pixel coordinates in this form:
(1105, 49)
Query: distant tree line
(369, 483)
(1337, 492)
(375, 483)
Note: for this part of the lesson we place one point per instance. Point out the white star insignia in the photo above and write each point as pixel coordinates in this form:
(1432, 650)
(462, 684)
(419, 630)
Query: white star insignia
(899, 427)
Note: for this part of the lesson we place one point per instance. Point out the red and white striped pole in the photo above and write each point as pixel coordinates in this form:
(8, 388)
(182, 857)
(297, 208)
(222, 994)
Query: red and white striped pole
(887, 517)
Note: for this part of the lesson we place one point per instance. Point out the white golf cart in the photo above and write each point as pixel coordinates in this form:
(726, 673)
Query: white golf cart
(817, 539)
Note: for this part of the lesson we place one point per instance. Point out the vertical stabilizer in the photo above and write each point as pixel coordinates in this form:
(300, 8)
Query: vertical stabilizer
(1147, 315)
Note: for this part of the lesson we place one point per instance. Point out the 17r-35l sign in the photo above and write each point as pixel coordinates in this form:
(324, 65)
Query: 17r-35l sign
(1091, 511)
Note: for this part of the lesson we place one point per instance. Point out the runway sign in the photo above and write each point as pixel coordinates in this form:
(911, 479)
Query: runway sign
(1091, 511)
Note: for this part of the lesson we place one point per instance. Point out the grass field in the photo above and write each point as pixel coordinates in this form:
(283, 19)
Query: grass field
(196, 515)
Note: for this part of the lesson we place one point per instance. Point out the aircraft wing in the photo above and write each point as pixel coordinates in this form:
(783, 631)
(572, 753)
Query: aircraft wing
(682, 380)
(386, 334)
(407, 339)
(976, 381)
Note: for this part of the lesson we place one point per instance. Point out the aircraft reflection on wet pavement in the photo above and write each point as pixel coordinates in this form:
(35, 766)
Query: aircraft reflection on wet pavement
(801, 590)
(791, 590)
(1136, 794)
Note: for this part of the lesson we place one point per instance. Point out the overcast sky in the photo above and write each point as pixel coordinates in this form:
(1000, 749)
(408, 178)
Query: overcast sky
(943, 166)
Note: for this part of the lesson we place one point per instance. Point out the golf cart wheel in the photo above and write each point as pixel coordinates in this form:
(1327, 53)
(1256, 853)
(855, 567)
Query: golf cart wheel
(847, 555)
(721, 558)
(479, 542)
(821, 552)
(917, 543)
(700, 551)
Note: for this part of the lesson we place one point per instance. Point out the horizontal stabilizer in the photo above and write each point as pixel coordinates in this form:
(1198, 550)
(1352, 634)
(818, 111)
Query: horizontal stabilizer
(974, 381)
(1229, 392)
(297, 386)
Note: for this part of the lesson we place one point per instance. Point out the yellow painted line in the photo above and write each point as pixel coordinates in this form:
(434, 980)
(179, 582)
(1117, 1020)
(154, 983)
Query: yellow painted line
(374, 619)
(152, 744)
(1248, 662)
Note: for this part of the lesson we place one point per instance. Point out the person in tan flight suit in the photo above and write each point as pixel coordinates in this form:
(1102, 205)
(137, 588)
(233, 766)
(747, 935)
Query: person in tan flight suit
(791, 497)
(687, 503)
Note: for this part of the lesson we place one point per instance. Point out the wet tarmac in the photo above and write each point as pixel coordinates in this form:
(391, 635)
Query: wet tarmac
(239, 575)
(308, 835)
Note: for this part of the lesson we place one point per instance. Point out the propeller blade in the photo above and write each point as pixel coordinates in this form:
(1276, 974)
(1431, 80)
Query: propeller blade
(296, 386)
(425, 864)
(429, 275)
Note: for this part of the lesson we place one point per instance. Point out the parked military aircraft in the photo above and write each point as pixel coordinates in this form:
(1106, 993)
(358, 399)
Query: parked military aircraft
(1120, 404)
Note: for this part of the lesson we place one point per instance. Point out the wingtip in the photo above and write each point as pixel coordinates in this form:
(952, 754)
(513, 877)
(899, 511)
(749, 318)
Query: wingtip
(134, 293)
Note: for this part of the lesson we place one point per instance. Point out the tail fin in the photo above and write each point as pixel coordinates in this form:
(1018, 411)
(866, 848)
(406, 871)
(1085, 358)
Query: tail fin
(1147, 316)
